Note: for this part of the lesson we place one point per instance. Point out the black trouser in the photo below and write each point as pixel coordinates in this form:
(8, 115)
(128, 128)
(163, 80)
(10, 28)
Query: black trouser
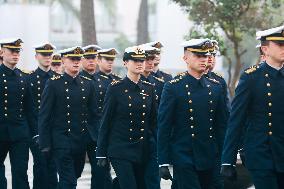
(129, 174)
(19, 158)
(188, 177)
(101, 176)
(44, 169)
(69, 166)
(152, 178)
(267, 179)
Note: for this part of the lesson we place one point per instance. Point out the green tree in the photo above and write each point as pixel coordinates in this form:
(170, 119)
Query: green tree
(235, 20)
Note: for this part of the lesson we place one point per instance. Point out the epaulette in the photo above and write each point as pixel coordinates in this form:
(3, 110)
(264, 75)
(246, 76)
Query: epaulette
(252, 69)
(86, 77)
(213, 80)
(181, 74)
(159, 79)
(217, 74)
(175, 80)
(55, 77)
(116, 75)
(114, 82)
(147, 83)
(104, 76)
(26, 71)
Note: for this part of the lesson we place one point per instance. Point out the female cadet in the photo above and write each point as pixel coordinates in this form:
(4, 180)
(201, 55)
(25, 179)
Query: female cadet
(128, 121)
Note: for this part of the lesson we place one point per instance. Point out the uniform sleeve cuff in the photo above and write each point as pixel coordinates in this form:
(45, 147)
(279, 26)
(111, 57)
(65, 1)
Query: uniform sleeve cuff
(100, 157)
(228, 164)
(164, 165)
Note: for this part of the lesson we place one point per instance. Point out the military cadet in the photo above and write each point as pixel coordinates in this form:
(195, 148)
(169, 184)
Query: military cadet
(258, 104)
(157, 72)
(101, 177)
(218, 182)
(152, 178)
(17, 116)
(128, 123)
(67, 117)
(56, 64)
(44, 170)
(191, 121)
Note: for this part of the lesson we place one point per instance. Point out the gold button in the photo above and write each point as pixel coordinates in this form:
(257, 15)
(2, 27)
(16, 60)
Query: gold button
(68, 106)
(6, 88)
(38, 101)
(209, 93)
(268, 84)
(84, 97)
(143, 91)
(38, 88)
(38, 107)
(129, 97)
(210, 136)
(100, 86)
(143, 114)
(5, 115)
(191, 118)
(126, 90)
(20, 115)
(6, 101)
(129, 105)
(69, 121)
(192, 135)
(69, 130)
(270, 132)
(65, 82)
(211, 110)
(130, 138)
(5, 80)
(269, 114)
(6, 94)
(130, 114)
(141, 129)
(5, 108)
(131, 121)
(210, 128)
(68, 114)
(67, 97)
(83, 130)
(191, 110)
(192, 126)
(211, 119)
(266, 75)
(190, 101)
(3, 75)
(144, 97)
(269, 94)
(22, 81)
(142, 122)
(188, 93)
(23, 88)
(83, 89)
(38, 82)
(269, 104)
(66, 90)
(269, 124)
(37, 76)
(141, 138)
(186, 86)
(144, 106)
(38, 94)
(210, 101)
(130, 129)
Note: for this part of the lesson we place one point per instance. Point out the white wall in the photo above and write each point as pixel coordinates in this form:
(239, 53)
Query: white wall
(28, 22)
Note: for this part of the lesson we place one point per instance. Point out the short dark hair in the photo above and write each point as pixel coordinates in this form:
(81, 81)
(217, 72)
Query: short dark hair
(264, 43)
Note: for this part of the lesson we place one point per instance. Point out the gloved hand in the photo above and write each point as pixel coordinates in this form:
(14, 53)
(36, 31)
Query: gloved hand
(164, 173)
(102, 162)
(229, 172)
(36, 140)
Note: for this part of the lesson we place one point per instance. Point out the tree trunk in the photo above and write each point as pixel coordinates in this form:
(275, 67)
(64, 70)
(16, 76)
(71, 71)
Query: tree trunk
(88, 26)
(238, 67)
(142, 23)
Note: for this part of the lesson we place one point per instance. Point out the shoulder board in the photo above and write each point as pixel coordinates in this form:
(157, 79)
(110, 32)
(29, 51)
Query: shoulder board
(103, 76)
(174, 81)
(251, 69)
(159, 79)
(181, 74)
(116, 75)
(147, 83)
(114, 82)
(218, 74)
(26, 71)
(55, 77)
(213, 80)
(86, 77)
